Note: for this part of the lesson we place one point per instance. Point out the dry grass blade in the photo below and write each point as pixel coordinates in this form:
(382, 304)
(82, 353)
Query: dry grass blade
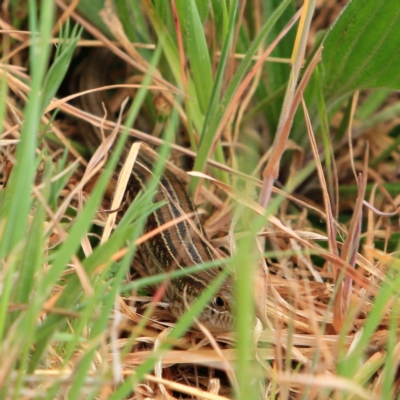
(350, 250)
(120, 189)
(246, 82)
(271, 170)
(335, 259)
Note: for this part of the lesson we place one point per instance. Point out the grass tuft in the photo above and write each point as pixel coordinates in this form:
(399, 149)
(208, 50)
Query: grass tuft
(287, 116)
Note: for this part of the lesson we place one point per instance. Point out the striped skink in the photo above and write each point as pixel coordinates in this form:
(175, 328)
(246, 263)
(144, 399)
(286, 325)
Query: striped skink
(179, 246)
(182, 245)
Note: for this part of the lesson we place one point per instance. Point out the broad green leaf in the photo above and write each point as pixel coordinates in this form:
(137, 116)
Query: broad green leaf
(361, 51)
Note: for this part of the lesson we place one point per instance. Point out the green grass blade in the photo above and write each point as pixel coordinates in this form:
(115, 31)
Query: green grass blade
(278, 73)
(29, 269)
(197, 50)
(59, 68)
(72, 243)
(208, 136)
(16, 203)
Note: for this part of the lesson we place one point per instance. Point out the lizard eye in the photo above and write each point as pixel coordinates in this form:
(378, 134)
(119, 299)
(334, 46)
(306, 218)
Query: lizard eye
(219, 302)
